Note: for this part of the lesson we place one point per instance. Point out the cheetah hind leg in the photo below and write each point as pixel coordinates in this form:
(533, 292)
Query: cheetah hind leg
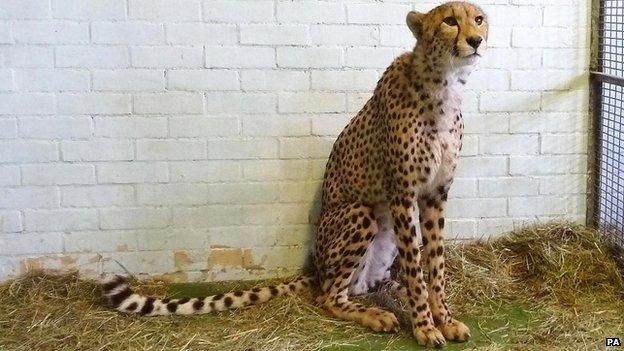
(354, 227)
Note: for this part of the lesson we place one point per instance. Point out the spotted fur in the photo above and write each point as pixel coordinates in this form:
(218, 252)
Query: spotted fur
(384, 190)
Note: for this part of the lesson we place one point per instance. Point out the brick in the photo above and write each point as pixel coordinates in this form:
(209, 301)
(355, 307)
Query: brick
(500, 38)
(172, 194)
(237, 102)
(310, 147)
(463, 188)
(470, 146)
(52, 80)
(205, 171)
(10, 222)
(281, 34)
(243, 193)
(165, 10)
(27, 104)
(135, 218)
(25, 9)
(29, 197)
(64, 219)
(481, 166)
(504, 187)
(167, 56)
(272, 80)
(461, 229)
(201, 34)
(567, 101)
(6, 80)
(276, 126)
(129, 80)
(508, 144)
(97, 196)
(336, 34)
(300, 191)
(544, 37)
(91, 10)
(130, 127)
(493, 227)
(26, 56)
(206, 216)
(309, 57)
(169, 102)
(279, 257)
(97, 150)
(242, 149)
(469, 208)
(547, 122)
(92, 56)
(58, 174)
(100, 241)
(127, 33)
(369, 57)
(278, 170)
(238, 57)
(311, 102)
(229, 11)
(132, 172)
(575, 58)
(28, 151)
(160, 149)
(355, 101)
(148, 262)
(57, 127)
(275, 213)
(8, 128)
(310, 12)
(344, 80)
(399, 36)
(94, 103)
(31, 243)
(329, 124)
(202, 80)
(514, 16)
(9, 175)
(489, 79)
(174, 239)
(564, 144)
(378, 13)
(486, 123)
(566, 16)
(549, 79)
(50, 32)
(513, 58)
(202, 126)
(509, 101)
(563, 184)
(537, 206)
(547, 164)
(6, 36)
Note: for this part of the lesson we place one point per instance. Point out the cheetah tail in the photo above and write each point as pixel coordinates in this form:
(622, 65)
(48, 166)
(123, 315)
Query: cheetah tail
(120, 296)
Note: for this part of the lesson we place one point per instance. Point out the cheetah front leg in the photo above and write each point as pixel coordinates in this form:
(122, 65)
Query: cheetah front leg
(423, 327)
(431, 226)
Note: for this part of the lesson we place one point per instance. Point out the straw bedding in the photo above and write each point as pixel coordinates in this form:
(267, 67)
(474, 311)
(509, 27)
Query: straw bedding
(548, 287)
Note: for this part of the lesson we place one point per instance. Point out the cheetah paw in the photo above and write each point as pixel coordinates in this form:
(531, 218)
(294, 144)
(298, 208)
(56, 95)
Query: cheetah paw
(429, 337)
(455, 331)
(380, 320)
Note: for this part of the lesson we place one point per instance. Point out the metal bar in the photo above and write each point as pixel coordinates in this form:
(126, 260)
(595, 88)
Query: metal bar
(607, 78)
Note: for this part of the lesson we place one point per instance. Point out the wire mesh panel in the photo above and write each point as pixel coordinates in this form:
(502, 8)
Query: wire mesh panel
(609, 127)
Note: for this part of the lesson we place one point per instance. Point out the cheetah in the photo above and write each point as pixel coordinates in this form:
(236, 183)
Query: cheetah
(394, 162)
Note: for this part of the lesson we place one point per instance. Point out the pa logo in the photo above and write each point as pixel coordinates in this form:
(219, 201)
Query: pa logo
(613, 342)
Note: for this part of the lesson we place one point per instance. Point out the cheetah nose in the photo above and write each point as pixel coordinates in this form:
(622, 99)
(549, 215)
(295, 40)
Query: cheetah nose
(474, 41)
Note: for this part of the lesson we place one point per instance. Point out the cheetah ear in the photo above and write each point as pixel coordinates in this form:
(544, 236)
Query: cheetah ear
(414, 22)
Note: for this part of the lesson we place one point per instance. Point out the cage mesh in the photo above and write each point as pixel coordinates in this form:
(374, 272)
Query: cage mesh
(609, 111)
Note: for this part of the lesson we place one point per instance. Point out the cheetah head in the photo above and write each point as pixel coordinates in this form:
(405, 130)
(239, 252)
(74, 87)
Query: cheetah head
(456, 32)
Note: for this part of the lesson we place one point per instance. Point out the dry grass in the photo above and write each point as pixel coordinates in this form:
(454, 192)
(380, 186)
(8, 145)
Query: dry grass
(562, 277)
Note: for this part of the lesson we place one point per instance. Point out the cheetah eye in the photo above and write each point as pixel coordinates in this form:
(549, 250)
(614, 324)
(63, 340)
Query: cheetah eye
(479, 20)
(451, 21)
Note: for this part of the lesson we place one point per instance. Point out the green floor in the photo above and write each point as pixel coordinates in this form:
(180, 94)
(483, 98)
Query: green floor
(485, 331)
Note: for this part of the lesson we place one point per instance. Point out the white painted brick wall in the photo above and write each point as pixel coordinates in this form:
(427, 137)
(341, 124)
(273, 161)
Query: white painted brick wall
(190, 136)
